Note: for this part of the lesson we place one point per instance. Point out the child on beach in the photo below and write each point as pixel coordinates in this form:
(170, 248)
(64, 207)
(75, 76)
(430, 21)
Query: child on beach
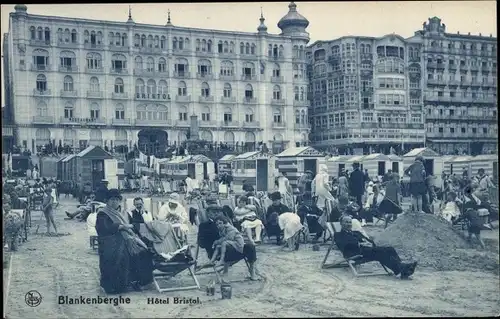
(450, 210)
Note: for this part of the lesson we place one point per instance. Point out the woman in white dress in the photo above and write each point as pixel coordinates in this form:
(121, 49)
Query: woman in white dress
(246, 215)
(291, 226)
(174, 212)
(286, 190)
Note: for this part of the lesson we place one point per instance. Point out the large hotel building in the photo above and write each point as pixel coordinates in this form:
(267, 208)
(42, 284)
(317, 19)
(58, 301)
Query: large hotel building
(435, 89)
(84, 82)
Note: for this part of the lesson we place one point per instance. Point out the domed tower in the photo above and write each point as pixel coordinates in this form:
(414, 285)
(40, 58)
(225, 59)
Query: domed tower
(294, 25)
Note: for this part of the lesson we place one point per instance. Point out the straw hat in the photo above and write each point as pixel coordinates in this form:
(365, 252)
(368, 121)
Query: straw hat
(175, 198)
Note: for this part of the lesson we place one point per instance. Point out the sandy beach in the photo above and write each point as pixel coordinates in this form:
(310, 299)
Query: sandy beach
(293, 285)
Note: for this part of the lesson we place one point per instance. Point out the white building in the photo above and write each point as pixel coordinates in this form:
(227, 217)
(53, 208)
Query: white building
(86, 82)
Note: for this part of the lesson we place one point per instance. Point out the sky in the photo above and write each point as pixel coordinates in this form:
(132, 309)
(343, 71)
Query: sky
(327, 20)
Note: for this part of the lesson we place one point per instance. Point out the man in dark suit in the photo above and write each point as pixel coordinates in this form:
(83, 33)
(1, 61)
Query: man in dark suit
(357, 184)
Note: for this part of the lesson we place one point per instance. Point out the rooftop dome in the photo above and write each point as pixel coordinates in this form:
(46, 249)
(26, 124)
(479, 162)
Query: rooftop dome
(293, 18)
(21, 7)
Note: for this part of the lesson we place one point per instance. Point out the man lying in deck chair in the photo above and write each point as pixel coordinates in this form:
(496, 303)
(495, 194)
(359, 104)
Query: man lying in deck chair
(351, 243)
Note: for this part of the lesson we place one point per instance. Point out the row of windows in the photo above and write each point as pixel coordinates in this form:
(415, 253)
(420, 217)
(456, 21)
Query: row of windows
(463, 94)
(470, 111)
(464, 45)
(391, 99)
(391, 83)
(468, 62)
(454, 130)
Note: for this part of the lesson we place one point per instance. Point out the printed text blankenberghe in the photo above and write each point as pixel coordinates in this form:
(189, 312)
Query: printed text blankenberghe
(81, 300)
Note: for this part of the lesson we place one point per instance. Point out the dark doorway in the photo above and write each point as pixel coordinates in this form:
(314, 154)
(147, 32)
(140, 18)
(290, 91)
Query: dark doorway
(192, 170)
(495, 172)
(97, 172)
(451, 169)
(205, 170)
(429, 166)
(341, 168)
(153, 142)
(311, 165)
(476, 148)
(395, 167)
(262, 175)
(381, 168)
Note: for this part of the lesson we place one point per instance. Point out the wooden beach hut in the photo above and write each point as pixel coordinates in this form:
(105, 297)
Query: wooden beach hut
(336, 164)
(396, 164)
(257, 168)
(459, 163)
(224, 165)
(432, 160)
(294, 161)
(94, 164)
(199, 167)
(487, 161)
(377, 164)
(447, 161)
(67, 167)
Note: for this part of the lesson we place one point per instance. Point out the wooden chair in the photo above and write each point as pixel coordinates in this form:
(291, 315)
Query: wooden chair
(352, 263)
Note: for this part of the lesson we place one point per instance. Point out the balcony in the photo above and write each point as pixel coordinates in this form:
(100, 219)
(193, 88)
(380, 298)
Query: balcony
(431, 65)
(118, 48)
(120, 71)
(440, 66)
(452, 66)
(40, 43)
(228, 100)
(95, 94)
(206, 99)
(208, 124)
(182, 75)
(248, 77)
(367, 92)
(249, 100)
(224, 77)
(279, 125)
(73, 93)
(485, 68)
(229, 124)
(156, 123)
(69, 45)
(43, 119)
(228, 55)
(475, 83)
(152, 97)
(119, 96)
(277, 79)
(41, 93)
(453, 83)
(302, 126)
(144, 72)
(68, 68)
(94, 70)
(182, 123)
(204, 76)
(205, 53)
(183, 98)
(151, 49)
(94, 46)
(253, 124)
(278, 101)
(40, 67)
(474, 68)
(465, 83)
(121, 122)
(301, 103)
(413, 58)
(369, 56)
(277, 58)
(82, 120)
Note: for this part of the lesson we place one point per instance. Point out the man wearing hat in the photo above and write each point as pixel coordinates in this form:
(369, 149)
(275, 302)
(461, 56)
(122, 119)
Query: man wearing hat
(357, 183)
(272, 214)
(102, 190)
(173, 212)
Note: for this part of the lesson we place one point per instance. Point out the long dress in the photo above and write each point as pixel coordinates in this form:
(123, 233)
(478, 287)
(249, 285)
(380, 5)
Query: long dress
(118, 268)
(285, 190)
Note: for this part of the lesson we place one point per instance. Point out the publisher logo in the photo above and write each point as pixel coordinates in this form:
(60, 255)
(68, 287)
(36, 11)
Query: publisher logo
(33, 298)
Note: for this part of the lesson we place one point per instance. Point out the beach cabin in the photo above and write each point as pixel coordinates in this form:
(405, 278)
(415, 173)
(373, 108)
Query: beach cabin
(177, 168)
(377, 164)
(355, 159)
(490, 164)
(458, 163)
(67, 168)
(48, 167)
(257, 168)
(294, 161)
(336, 164)
(433, 162)
(224, 165)
(447, 163)
(161, 167)
(95, 164)
(199, 167)
(395, 164)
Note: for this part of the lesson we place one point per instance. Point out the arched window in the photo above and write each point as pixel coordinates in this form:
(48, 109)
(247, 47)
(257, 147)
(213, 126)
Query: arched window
(303, 117)
(68, 60)
(229, 138)
(33, 33)
(231, 47)
(227, 90)
(163, 42)
(40, 33)
(277, 116)
(67, 35)
(198, 45)
(205, 114)
(42, 136)
(95, 137)
(42, 109)
(121, 137)
(162, 65)
(99, 37)
(151, 89)
(74, 36)
(118, 62)
(226, 68)
(277, 92)
(249, 116)
(111, 38)
(68, 83)
(181, 44)
(182, 89)
(94, 61)
(228, 115)
(94, 84)
(281, 51)
(270, 50)
(247, 48)
(150, 41)
(205, 89)
(119, 112)
(181, 67)
(209, 46)
(86, 36)
(297, 117)
(95, 111)
(296, 93)
(150, 64)
(140, 88)
(124, 40)
(137, 40)
(157, 41)
(68, 110)
(119, 86)
(203, 45)
(183, 113)
(302, 93)
(295, 71)
(253, 49)
(41, 83)
(174, 43)
(204, 67)
(60, 35)
(276, 70)
(69, 136)
(138, 63)
(143, 41)
(295, 51)
(248, 91)
(248, 70)
(242, 48)
(118, 39)
(207, 136)
(162, 87)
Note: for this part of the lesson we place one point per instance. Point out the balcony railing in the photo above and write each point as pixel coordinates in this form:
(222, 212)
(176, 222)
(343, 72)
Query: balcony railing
(40, 67)
(73, 93)
(119, 96)
(183, 98)
(94, 70)
(253, 124)
(278, 101)
(301, 103)
(151, 50)
(248, 77)
(95, 94)
(453, 83)
(474, 68)
(40, 43)
(431, 65)
(229, 124)
(64, 44)
(205, 76)
(118, 48)
(123, 71)
(206, 99)
(277, 79)
(440, 66)
(208, 123)
(98, 46)
(227, 55)
(182, 75)
(83, 120)
(226, 77)
(182, 123)
(279, 125)
(228, 100)
(41, 93)
(452, 66)
(249, 100)
(147, 122)
(205, 53)
(302, 126)
(39, 119)
(121, 122)
(68, 68)
(150, 72)
(152, 96)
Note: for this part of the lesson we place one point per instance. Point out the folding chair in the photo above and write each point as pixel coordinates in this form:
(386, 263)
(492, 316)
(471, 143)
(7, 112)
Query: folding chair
(167, 188)
(352, 263)
(177, 229)
(122, 185)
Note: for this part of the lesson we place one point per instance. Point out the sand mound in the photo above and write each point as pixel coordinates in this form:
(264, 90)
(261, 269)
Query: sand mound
(434, 243)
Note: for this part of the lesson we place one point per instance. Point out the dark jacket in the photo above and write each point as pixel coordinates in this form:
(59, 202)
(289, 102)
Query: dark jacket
(357, 183)
(349, 242)
(101, 194)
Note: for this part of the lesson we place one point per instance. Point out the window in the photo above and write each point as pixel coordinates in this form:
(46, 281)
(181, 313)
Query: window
(227, 68)
(205, 90)
(182, 89)
(119, 87)
(183, 113)
(150, 65)
(276, 70)
(181, 67)
(162, 65)
(119, 112)
(138, 63)
(68, 110)
(68, 83)
(41, 83)
(485, 130)
(163, 42)
(151, 88)
(94, 61)
(204, 67)
(277, 92)
(118, 62)
(249, 117)
(94, 111)
(205, 114)
(162, 87)
(94, 84)
(32, 33)
(42, 109)
(152, 112)
(248, 91)
(277, 116)
(248, 70)
(74, 38)
(227, 90)
(296, 93)
(140, 87)
(228, 115)
(68, 60)
(41, 59)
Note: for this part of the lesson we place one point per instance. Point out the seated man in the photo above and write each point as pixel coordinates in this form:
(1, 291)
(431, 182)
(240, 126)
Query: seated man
(139, 215)
(82, 211)
(350, 243)
(311, 215)
(246, 218)
(173, 212)
(208, 234)
(272, 214)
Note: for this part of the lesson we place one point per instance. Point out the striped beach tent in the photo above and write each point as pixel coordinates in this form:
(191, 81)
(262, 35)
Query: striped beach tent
(294, 161)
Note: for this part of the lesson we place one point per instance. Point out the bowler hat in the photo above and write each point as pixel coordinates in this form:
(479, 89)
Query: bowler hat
(114, 193)
(275, 196)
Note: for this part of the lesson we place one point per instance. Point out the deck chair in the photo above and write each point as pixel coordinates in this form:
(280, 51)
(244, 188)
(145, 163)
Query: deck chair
(167, 187)
(167, 269)
(352, 263)
(182, 239)
(121, 185)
